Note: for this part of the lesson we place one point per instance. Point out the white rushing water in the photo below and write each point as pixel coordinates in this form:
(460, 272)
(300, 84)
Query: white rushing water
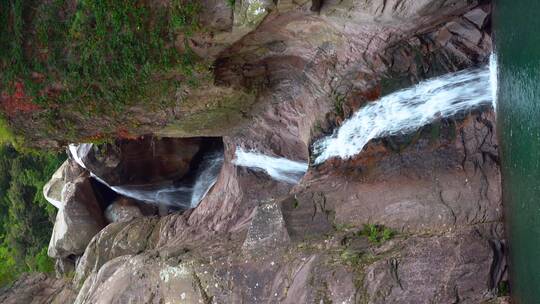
(207, 176)
(493, 80)
(279, 168)
(407, 110)
(167, 193)
(79, 151)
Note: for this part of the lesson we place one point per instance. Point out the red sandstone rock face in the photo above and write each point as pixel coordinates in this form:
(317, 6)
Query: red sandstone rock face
(302, 63)
(427, 183)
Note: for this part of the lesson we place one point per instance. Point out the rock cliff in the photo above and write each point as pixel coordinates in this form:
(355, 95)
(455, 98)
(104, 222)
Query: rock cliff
(413, 218)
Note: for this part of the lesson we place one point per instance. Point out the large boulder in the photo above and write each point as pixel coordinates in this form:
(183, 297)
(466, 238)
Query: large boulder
(115, 240)
(267, 229)
(79, 219)
(52, 191)
(458, 267)
(122, 210)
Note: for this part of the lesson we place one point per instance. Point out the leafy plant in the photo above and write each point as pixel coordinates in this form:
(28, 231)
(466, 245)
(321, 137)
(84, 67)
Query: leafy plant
(42, 262)
(377, 234)
(8, 267)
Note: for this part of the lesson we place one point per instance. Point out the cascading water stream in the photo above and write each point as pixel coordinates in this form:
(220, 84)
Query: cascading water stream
(409, 109)
(77, 150)
(493, 71)
(206, 177)
(279, 168)
(183, 196)
(401, 112)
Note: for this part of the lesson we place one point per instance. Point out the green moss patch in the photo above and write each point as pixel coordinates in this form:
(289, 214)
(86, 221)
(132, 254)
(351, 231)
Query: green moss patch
(211, 112)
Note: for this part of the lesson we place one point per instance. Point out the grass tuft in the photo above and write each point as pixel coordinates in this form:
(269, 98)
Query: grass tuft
(377, 234)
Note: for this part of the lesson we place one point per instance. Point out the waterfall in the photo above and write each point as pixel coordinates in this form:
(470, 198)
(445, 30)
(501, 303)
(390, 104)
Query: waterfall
(79, 151)
(279, 168)
(407, 110)
(206, 177)
(493, 70)
(184, 195)
(164, 193)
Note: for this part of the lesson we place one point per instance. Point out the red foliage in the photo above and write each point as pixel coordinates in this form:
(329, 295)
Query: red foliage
(18, 101)
(52, 91)
(93, 138)
(123, 133)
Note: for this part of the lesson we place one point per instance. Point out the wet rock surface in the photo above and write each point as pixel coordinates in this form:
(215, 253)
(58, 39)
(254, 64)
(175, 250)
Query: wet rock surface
(52, 191)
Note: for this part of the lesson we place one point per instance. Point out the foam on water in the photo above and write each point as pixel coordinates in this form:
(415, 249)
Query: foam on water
(279, 168)
(407, 110)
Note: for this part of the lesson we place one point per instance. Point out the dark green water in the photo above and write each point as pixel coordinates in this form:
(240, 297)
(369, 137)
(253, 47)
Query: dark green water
(517, 36)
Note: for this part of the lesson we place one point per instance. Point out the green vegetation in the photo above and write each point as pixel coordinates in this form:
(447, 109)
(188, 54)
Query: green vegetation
(27, 218)
(503, 290)
(296, 203)
(99, 55)
(220, 109)
(351, 257)
(100, 50)
(357, 259)
(6, 136)
(355, 251)
(339, 101)
(377, 234)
